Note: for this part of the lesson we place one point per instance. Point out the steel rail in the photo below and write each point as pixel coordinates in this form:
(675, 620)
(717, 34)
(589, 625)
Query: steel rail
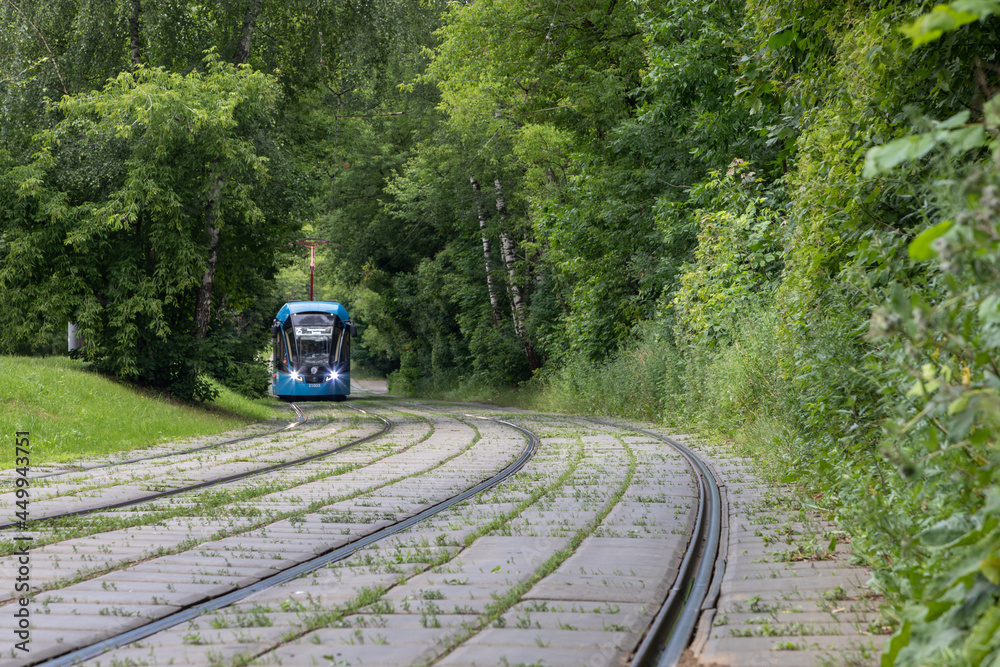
(291, 573)
(386, 427)
(298, 411)
(672, 628)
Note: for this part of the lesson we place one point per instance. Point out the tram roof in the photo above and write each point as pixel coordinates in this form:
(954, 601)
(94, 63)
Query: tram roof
(331, 307)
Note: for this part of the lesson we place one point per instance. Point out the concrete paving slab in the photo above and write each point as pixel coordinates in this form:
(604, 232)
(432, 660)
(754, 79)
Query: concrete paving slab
(526, 614)
(768, 591)
(473, 655)
(370, 655)
(601, 588)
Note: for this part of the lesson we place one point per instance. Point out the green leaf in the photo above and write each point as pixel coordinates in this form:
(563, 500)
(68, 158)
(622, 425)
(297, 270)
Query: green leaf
(981, 8)
(899, 641)
(942, 19)
(990, 568)
(958, 405)
(982, 638)
(979, 436)
(948, 531)
(881, 159)
(781, 38)
(991, 111)
(967, 138)
(920, 248)
(989, 309)
(953, 122)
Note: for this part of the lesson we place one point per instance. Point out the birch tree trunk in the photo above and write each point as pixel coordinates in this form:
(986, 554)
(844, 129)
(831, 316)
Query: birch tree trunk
(494, 302)
(249, 23)
(213, 201)
(517, 304)
(133, 33)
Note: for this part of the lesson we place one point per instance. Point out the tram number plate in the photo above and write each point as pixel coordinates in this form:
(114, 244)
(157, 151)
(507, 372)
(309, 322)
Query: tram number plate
(315, 384)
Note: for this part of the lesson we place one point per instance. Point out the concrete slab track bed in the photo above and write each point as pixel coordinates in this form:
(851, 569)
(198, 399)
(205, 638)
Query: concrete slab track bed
(565, 562)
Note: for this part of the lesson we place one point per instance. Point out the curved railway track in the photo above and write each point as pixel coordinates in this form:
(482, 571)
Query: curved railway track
(572, 526)
(212, 482)
(302, 419)
(700, 574)
(327, 556)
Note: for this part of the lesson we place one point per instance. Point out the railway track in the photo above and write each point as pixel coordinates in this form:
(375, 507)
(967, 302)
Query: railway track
(419, 553)
(427, 450)
(301, 569)
(137, 496)
(299, 421)
(700, 575)
(230, 510)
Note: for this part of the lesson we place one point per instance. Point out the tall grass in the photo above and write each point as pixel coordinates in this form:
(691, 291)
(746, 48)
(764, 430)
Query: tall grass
(787, 399)
(71, 412)
(737, 393)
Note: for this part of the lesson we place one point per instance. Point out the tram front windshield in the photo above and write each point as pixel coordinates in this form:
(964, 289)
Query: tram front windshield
(315, 344)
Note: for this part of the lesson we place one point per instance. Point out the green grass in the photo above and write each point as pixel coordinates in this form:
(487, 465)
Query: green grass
(253, 409)
(362, 373)
(71, 412)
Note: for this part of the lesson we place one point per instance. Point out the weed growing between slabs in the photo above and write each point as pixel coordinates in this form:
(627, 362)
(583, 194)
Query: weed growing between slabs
(432, 560)
(149, 483)
(250, 444)
(369, 600)
(212, 505)
(498, 608)
(84, 525)
(220, 501)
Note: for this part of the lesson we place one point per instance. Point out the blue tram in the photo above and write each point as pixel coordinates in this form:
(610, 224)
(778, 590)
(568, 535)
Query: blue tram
(312, 351)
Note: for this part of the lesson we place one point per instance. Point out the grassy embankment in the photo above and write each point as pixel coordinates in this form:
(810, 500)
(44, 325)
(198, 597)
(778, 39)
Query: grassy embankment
(71, 412)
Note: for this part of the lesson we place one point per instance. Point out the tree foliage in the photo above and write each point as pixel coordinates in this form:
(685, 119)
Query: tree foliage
(110, 231)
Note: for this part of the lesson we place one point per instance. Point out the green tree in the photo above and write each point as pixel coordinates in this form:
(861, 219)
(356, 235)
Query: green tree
(108, 224)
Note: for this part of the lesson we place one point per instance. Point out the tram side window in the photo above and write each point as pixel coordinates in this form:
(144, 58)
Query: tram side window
(287, 336)
(338, 354)
(279, 353)
(345, 354)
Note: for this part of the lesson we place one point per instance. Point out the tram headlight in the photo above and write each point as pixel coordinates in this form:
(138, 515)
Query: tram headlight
(295, 376)
(332, 375)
